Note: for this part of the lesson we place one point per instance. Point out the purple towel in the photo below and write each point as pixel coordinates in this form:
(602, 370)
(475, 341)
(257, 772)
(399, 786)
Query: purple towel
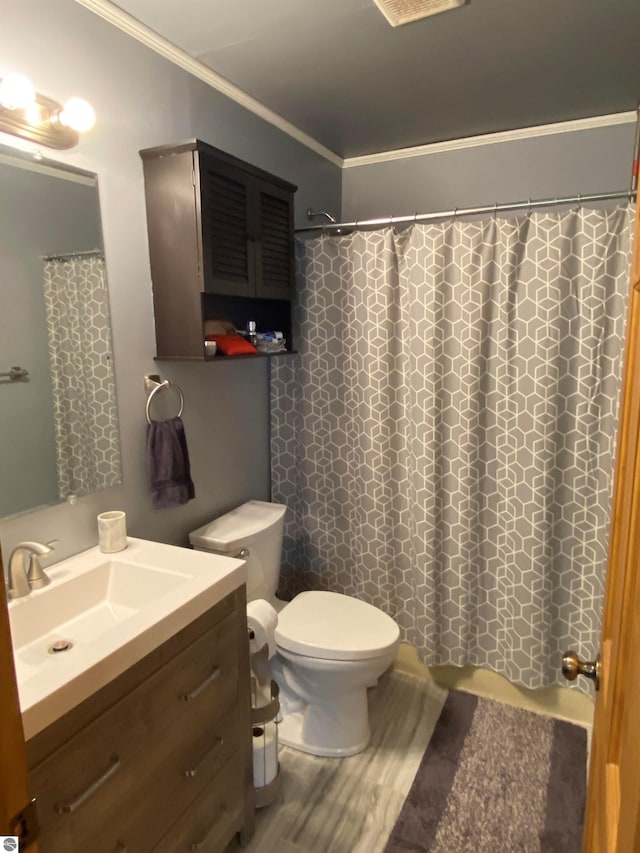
(168, 464)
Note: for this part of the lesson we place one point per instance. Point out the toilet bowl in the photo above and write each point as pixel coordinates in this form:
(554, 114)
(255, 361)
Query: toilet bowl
(330, 647)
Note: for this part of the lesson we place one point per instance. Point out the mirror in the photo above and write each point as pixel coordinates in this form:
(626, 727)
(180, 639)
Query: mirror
(59, 432)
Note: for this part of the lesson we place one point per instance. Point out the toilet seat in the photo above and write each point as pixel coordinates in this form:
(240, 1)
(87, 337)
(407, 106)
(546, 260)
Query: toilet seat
(332, 626)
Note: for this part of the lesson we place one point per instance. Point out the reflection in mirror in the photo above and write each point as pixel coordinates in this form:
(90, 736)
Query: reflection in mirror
(59, 430)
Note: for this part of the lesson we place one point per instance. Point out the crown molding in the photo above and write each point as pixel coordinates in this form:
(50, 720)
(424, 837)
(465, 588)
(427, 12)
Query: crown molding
(130, 25)
(492, 139)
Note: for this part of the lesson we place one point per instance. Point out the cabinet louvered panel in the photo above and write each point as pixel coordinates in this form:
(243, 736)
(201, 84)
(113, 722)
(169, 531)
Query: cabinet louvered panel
(228, 261)
(275, 279)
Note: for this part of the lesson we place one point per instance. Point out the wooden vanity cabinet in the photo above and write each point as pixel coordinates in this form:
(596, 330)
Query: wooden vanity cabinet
(161, 758)
(221, 244)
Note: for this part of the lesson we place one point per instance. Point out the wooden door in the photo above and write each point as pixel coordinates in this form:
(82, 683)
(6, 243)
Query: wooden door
(612, 823)
(14, 784)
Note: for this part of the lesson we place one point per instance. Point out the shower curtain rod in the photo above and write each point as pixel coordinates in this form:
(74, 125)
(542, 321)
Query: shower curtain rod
(67, 256)
(337, 227)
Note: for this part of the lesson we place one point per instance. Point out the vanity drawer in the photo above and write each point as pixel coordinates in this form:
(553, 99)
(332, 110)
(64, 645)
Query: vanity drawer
(211, 821)
(178, 782)
(156, 726)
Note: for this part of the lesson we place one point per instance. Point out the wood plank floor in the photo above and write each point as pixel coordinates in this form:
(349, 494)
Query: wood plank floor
(350, 805)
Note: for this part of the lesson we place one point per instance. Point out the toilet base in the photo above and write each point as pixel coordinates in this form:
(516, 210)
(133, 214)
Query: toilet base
(328, 730)
(293, 731)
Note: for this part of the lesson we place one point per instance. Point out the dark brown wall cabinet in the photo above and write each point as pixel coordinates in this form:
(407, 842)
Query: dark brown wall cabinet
(220, 242)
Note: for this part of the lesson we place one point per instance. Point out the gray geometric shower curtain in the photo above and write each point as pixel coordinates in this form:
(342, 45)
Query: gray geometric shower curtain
(85, 413)
(445, 439)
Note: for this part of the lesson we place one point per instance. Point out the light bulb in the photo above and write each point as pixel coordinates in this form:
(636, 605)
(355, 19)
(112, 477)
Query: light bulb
(33, 113)
(16, 92)
(77, 114)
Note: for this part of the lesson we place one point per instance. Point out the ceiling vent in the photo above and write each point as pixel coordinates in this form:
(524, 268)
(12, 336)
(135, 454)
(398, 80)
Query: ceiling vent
(399, 12)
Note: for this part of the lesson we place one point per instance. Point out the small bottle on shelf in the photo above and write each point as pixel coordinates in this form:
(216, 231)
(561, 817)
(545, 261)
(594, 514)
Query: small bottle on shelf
(252, 335)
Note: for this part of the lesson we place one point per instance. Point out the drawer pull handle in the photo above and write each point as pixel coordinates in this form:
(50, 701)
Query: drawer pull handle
(69, 808)
(191, 773)
(193, 694)
(199, 845)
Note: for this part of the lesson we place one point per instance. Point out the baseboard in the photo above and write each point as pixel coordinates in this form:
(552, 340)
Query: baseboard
(560, 702)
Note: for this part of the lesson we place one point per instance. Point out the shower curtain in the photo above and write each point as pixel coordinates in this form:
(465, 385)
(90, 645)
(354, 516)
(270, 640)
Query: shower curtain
(445, 439)
(82, 376)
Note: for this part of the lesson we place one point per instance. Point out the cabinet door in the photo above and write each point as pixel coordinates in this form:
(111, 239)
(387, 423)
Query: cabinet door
(272, 208)
(175, 250)
(228, 247)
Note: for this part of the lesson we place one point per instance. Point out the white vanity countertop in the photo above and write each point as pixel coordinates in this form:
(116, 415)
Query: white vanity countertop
(115, 609)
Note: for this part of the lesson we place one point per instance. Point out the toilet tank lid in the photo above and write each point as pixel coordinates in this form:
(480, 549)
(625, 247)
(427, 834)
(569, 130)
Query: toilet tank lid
(334, 626)
(238, 527)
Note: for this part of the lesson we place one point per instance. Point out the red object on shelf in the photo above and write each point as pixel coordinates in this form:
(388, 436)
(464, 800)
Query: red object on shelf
(232, 345)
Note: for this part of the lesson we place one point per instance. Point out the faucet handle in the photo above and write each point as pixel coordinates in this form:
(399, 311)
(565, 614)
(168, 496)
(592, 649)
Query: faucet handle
(36, 575)
(21, 580)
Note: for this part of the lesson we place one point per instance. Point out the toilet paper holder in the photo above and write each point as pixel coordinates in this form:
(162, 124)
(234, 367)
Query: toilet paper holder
(266, 767)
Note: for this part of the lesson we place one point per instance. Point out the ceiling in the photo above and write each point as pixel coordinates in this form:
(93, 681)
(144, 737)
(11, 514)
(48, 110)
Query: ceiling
(340, 73)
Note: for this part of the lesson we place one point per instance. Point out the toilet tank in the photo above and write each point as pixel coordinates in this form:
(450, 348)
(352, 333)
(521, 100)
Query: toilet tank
(257, 527)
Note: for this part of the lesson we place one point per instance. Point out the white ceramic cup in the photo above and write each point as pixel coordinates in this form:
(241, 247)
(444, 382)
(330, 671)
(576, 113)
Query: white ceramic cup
(112, 531)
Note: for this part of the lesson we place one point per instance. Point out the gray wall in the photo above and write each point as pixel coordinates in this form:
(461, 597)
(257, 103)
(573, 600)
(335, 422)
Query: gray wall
(30, 227)
(142, 100)
(583, 162)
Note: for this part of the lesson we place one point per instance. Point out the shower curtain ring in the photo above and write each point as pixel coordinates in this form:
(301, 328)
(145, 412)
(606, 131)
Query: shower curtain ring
(495, 210)
(455, 212)
(415, 217)
(529, 208)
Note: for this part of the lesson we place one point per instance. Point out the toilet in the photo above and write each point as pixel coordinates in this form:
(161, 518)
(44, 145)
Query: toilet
(330, 647)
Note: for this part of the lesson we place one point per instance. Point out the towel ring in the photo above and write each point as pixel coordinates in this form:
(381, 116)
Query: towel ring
(161, 387)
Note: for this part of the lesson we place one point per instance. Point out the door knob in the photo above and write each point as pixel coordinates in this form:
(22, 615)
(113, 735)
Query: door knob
(572, 667)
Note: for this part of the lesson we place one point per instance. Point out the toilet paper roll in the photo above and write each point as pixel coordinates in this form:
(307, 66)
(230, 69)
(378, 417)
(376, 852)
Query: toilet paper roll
(265, 755)
(262, 620)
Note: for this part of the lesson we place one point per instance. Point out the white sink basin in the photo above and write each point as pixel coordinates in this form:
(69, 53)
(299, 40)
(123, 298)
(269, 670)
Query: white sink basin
(108, 612)
(86, 605)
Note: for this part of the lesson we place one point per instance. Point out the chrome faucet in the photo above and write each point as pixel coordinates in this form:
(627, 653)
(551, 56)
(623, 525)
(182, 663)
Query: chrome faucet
(21, 580)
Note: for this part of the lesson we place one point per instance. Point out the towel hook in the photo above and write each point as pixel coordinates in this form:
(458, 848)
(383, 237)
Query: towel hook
(153, 385)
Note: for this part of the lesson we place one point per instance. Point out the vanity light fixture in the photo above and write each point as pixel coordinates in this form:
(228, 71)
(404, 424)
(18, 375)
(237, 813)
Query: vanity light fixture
(30, 115)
